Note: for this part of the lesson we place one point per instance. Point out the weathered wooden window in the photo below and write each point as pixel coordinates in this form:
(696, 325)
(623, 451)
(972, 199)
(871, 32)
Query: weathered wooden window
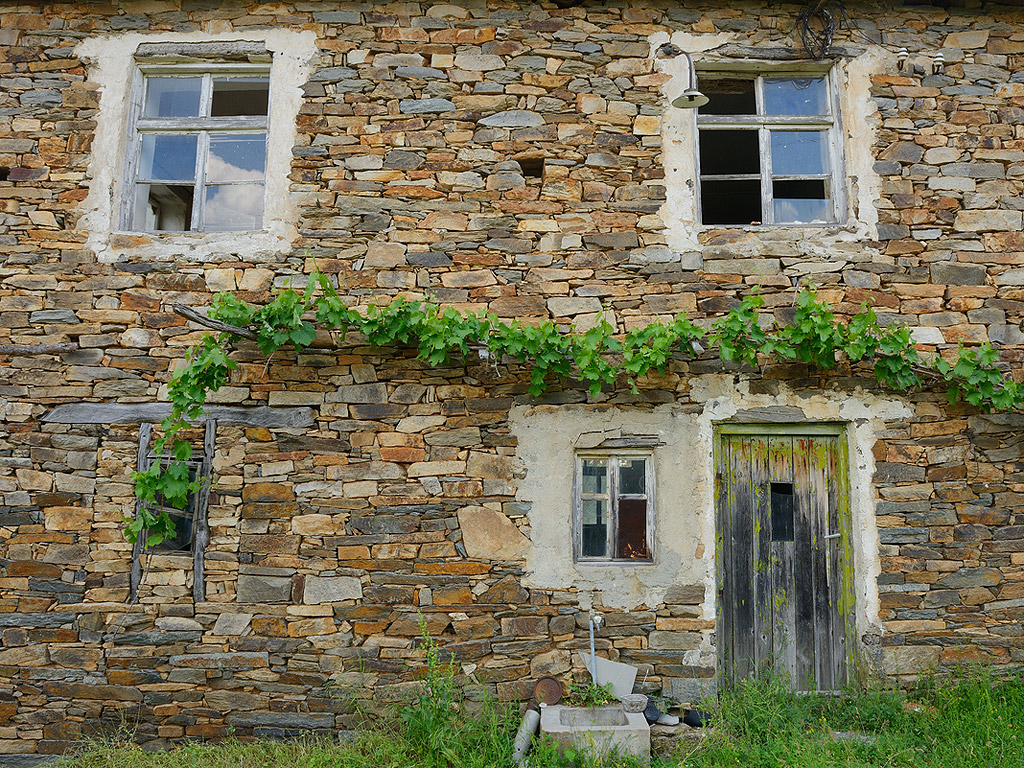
(198, 149)
(614, 508)
(769, 150)
(191, 530)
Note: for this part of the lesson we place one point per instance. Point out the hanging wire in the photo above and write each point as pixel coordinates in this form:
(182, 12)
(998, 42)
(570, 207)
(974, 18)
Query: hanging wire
(817, 26)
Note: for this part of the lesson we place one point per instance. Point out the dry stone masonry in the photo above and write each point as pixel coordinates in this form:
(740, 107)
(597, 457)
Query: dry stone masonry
(497, 154)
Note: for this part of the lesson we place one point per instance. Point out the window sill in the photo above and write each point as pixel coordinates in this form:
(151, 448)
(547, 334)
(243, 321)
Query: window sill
(614, 562)
(257, 245)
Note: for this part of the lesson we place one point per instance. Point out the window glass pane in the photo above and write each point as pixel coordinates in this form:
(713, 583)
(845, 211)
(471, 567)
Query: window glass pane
(234, 207)
(631, 476)
(731, 152)
(172, 96)
(795, 96)
(168, 157)
(801, 202)
(236, 157)
(240, 96)
(163, 208)
(595, 528)
(730, 202)
(595, 476)
(728, 96)
(799, 153)
(631, 541)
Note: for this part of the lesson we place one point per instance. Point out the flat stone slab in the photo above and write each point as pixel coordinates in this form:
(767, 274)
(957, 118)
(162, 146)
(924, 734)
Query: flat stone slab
(513, 118)
(139, 413)
(599, 731)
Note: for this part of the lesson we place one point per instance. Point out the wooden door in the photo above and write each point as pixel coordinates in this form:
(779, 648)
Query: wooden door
(783, 555)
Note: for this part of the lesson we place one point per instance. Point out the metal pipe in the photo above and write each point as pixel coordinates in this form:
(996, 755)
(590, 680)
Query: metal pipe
(531, 719)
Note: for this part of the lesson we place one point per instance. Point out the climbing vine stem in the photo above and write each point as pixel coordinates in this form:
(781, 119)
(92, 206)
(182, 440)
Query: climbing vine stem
(596, 356)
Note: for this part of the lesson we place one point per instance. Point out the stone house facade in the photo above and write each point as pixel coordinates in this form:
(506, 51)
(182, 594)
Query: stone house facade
(523, 157)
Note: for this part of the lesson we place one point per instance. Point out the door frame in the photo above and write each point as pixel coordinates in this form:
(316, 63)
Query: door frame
(846, 589)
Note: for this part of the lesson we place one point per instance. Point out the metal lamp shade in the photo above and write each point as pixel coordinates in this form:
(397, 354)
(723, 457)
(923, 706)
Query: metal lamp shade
(690, 99)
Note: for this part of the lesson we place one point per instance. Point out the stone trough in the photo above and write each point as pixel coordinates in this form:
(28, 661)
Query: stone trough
(602, 731)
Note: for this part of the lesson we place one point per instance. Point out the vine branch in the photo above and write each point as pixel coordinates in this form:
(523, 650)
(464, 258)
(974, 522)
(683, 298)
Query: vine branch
(597, 356)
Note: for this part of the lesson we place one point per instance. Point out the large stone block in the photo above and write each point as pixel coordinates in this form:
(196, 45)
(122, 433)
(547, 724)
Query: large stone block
(489, 535)
(689, 690)
(264, 589)
(665, 640)
(988, 221)
(331, 589)
(910, 659)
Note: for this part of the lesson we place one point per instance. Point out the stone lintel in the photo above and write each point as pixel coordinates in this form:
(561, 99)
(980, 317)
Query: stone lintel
(226, 50)
(138, 413)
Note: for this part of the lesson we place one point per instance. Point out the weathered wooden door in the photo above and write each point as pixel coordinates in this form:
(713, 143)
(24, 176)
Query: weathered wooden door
(783, 555)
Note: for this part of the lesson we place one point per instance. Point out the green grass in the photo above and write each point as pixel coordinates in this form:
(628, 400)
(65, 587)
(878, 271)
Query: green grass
(971, 721)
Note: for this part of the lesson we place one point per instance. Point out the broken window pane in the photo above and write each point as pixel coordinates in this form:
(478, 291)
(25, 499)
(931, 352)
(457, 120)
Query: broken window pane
(631, 476)
(731, 202)
(631, 541)
(802, 200)
(729, 152)
(164, 207)
(595, 476)
(595, 528)
(234, 207)
(782, 511)
(728, 97)
(236, 157)
(799, 153)
(173, 96)
(240, 96)
(795, 96)
(168, 157)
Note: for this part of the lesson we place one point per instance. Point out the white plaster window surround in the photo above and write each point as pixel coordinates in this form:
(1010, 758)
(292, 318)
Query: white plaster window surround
(549, 441)
(851, 123)
(121, 65)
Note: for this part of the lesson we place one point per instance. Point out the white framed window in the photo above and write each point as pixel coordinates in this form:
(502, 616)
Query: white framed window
(198, 149)
(613, 510)
(770, 150)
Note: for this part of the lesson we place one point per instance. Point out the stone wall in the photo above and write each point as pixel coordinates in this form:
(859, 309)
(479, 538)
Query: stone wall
(328, 542)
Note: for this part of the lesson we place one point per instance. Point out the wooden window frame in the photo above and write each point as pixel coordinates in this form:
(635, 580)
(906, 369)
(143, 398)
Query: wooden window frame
(830, 123)
(203, 126)
(612, 497)
(200, 503)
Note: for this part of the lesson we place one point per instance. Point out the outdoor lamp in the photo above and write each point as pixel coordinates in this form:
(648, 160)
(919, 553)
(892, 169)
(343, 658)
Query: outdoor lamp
(691, 97)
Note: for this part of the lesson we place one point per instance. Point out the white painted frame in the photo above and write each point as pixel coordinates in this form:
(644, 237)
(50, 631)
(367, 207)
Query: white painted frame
(202, 125)
(830, 124)
(612, 497)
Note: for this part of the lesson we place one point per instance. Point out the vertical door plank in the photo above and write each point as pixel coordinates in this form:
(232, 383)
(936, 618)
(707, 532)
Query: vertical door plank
(836, 550)
(762, 551)
(780, 470)
(818, 483)
(743, 559)
(723, 556)
(803, 570)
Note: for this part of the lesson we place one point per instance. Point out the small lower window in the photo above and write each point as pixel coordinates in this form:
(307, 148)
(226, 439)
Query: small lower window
(184, 518)
(613, 510)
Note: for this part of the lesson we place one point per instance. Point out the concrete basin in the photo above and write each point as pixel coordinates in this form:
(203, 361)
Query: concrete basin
(601, 731)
